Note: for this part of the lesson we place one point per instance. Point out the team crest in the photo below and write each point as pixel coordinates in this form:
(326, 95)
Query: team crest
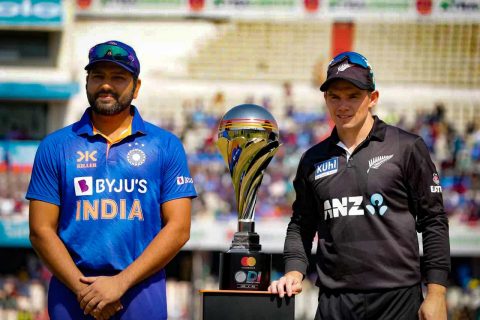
(136, 157)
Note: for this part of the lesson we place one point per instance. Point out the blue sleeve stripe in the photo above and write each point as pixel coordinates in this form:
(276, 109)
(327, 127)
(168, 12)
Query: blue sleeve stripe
(178, 196)
(34, 196)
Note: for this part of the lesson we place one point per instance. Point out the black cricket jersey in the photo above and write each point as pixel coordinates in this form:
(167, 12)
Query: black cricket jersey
(366, 211)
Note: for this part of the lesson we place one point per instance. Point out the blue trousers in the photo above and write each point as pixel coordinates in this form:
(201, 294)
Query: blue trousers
(146, 300)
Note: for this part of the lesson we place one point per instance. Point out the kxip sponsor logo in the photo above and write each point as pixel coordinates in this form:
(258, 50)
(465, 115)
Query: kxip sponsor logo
(86, 159)
(326, 168)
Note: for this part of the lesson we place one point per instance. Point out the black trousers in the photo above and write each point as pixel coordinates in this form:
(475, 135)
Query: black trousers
(395, 304)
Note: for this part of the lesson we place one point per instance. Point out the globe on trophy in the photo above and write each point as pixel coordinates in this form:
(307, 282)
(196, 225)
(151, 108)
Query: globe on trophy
(248, 138)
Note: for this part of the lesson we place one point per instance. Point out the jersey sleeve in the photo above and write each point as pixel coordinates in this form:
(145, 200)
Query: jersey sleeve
(302, 227)
(45, 180)
(427, 205)
(177, 181)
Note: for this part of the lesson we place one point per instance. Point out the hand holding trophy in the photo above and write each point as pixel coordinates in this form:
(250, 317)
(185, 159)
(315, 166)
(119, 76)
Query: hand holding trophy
(248, 138)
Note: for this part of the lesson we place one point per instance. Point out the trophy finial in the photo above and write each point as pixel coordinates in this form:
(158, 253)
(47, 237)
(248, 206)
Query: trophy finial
(248, 138)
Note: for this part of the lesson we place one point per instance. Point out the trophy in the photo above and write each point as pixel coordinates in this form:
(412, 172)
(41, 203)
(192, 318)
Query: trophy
(247, 140)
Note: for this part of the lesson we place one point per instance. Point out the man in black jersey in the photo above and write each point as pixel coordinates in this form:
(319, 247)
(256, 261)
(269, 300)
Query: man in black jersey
(366, 191)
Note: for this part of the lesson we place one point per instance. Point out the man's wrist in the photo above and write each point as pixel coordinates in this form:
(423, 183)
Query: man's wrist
(436, 289)
(295, 274)
(123, 280)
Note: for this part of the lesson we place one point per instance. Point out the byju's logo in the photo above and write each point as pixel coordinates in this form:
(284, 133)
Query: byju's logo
(376, 206)
(83, 186)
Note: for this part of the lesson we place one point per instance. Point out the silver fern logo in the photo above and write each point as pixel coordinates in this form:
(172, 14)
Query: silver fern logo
(343, 67)
(376, 162)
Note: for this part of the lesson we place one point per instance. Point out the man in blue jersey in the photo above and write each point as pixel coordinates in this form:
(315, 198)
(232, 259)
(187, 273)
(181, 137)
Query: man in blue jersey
(110, 200)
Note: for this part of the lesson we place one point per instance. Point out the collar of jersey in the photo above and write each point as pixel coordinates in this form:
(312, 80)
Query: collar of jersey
(84, 126)
(377, 132)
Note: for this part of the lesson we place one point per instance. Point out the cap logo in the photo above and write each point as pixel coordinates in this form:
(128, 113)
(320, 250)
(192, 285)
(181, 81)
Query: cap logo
(343, 67)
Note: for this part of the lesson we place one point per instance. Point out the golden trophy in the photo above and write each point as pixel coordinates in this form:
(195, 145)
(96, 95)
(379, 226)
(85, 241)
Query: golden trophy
(248, 138)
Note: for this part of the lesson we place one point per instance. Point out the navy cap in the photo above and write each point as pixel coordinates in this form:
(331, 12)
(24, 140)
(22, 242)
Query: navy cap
(352, 67)
(116, 52)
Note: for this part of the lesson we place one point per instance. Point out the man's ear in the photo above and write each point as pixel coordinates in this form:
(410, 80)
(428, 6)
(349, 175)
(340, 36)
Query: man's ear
(137, 88)
(374, 95)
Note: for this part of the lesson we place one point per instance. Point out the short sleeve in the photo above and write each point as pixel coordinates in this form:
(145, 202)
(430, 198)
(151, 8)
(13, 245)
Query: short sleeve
(177, 181)
(44, 182)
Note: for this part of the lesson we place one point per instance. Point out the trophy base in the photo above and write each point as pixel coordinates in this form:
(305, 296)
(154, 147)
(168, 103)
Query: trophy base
(246, 239)
(245, 270)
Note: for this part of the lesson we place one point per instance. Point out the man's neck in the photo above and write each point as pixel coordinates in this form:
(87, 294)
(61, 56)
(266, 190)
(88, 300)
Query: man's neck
(112, 126)
(352, 137)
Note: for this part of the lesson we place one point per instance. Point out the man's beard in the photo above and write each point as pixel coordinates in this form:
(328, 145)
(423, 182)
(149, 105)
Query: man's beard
(107, 109)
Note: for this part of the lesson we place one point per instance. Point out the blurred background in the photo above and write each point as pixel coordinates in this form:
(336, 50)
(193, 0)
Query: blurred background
(199, 58)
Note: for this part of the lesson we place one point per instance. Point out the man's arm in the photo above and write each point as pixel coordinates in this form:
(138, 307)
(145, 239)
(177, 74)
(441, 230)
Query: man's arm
(298, 241)
(44, 238)
(427, 203)
(166, 244)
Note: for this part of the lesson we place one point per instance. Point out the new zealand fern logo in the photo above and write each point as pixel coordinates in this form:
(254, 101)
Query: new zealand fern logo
(376, 162)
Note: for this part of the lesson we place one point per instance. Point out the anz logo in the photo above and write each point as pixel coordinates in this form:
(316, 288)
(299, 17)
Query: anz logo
(352, 206)
(375, 206)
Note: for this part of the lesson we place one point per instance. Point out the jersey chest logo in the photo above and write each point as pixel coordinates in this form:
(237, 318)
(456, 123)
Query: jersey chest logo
(326, 168)
(376, 162)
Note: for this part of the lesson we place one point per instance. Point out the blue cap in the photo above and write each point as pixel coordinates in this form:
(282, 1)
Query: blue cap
(116, 52)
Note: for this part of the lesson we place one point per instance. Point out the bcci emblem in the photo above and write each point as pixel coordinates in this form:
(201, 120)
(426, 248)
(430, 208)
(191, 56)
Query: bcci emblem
(136, 157)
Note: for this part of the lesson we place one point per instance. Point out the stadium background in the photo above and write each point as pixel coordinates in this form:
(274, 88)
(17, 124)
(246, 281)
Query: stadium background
(201, 57)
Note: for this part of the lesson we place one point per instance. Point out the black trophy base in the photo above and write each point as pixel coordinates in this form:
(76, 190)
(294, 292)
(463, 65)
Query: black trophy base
(244, 305)
(245, 270)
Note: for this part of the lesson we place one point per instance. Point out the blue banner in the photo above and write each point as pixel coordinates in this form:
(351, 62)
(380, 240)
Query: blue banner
(37, 91)
(21, 153)
(14, 233)
(31, 12)
(3, 156)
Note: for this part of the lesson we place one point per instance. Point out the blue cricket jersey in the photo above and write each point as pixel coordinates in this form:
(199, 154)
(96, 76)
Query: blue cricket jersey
(109, 196)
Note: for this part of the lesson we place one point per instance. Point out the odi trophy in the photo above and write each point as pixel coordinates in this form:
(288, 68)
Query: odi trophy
(248, 138)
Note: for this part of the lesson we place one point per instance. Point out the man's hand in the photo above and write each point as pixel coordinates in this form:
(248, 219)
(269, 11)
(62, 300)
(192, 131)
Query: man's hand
(108, 311)
(291, 283)
(101, 297)
(434, 307)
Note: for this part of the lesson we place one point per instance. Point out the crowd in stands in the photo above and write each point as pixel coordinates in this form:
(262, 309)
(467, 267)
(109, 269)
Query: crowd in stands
(456, 154)
(23, 295)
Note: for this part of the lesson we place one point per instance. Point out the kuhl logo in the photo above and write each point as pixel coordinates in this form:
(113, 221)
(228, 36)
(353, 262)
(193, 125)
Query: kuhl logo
(326, 168)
